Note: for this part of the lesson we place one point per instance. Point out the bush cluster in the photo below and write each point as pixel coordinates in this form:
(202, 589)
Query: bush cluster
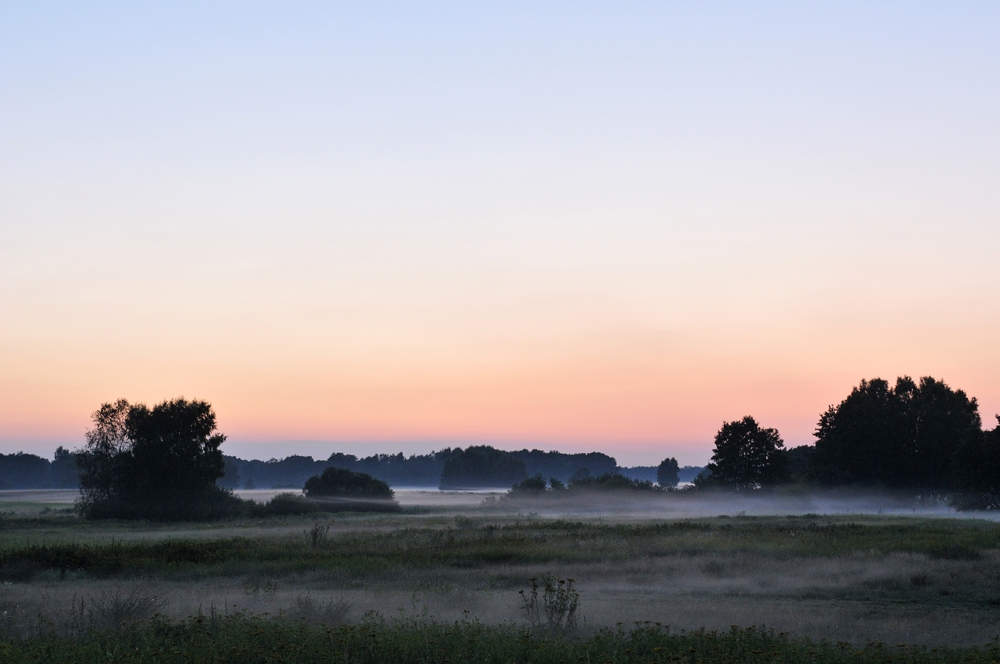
(343, 483)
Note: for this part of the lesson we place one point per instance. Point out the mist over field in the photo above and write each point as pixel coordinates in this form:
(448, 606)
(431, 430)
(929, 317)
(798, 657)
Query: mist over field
(678, 505)
(907, 575)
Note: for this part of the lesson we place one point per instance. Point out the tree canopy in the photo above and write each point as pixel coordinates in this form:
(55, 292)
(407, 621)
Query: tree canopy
(667, 473)
(157, 463)
(747, 457)
(904, 436)
(482, 466)
(977, 465)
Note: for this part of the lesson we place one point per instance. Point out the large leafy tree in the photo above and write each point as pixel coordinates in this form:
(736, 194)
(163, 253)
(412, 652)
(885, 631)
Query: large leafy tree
(747, 457)
(667, 473)
(158, 463)
(905, 436)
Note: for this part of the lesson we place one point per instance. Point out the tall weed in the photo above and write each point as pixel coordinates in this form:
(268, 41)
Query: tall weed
(554, 611)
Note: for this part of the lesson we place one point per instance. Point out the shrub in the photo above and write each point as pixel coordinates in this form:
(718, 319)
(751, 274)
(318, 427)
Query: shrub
(532, 485)
(289, 504)
(343, 483)
(612, 482)
(317, 535)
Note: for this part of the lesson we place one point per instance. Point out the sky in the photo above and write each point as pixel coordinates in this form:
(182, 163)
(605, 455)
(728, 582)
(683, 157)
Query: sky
(382, 227)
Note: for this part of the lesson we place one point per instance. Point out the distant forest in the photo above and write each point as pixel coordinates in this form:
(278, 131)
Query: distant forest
(29, 471)
(428, 470)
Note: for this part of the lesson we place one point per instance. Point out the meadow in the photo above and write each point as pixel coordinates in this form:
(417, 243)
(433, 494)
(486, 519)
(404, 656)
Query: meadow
(444, 581)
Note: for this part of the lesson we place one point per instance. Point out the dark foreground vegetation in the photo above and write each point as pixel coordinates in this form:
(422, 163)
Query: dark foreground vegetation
(242, 638)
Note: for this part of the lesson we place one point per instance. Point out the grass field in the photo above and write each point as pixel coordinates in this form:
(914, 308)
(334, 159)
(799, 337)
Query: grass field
(853, 579)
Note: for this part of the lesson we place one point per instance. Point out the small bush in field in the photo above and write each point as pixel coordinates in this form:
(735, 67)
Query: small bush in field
(530, 486)
(317, 535)
(343, 483)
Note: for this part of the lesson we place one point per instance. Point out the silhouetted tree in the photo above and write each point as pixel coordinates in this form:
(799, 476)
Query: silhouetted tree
(159, 463)
(667, 473)
(901, 437)
(747, 457)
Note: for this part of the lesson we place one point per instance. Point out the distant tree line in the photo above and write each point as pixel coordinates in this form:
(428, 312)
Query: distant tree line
(652, 473)
(919, 437)
(29, 471)
(478, 466)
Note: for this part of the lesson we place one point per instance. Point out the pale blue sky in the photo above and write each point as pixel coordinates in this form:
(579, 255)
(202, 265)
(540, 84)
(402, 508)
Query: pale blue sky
(466, 199)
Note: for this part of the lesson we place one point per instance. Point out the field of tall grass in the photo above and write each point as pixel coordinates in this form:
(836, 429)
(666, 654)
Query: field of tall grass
(427, 575)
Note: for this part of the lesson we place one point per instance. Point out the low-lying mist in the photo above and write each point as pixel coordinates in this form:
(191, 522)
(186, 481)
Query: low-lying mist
(700, 504)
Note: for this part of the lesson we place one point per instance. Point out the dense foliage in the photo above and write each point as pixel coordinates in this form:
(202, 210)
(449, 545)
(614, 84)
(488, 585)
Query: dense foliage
(532, 486)
(977, 466)
(903, 437)
(30, 471)
(747, 457)
(154, 463)
(340, 483)
(668, 472)
(482, 466)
